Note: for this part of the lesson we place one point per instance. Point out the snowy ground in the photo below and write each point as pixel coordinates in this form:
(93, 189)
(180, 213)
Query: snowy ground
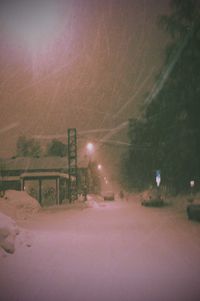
(117, 251)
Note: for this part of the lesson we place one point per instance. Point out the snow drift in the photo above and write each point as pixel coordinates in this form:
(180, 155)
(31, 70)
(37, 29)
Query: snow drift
(8, 232)
(14, 206)
(19, 205)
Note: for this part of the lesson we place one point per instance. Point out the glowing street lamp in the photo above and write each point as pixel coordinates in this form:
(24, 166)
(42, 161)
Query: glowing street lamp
(106, 180)
(90, 148)
(99, 166)
(90, 151)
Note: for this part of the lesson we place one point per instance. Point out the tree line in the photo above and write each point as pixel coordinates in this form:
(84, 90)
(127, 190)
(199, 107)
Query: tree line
(30, 147)
(167, 136)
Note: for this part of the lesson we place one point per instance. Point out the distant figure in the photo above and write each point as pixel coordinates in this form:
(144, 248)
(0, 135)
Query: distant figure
(121, 194)
(85, 192)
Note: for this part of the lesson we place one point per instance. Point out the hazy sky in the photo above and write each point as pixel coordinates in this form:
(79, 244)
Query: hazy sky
(78, 63)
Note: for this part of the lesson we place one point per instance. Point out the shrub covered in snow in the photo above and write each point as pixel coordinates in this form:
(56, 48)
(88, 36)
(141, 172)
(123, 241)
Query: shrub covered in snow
(8, 232)
(18, 204)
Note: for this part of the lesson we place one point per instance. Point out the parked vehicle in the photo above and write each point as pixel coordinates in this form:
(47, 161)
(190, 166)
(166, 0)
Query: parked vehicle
(153, 203)
(109, 196)
(193, 211)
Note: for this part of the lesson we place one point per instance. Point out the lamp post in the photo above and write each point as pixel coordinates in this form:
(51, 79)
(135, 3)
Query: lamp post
(90, 151)
(192, 183)
(99, 166)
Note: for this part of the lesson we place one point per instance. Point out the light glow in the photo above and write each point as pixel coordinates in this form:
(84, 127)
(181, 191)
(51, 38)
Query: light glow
(36, 23)
(90, 147)
(99, 167)
(35, 28)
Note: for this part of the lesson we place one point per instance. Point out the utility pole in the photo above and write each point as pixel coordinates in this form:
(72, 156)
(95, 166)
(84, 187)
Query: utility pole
(72, 164)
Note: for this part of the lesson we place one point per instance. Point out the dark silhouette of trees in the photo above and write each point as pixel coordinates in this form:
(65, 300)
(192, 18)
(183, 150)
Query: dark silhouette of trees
(56, 148)
(167, 137)
(28, 147)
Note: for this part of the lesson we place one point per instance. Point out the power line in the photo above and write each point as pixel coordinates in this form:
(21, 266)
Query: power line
(159, 84)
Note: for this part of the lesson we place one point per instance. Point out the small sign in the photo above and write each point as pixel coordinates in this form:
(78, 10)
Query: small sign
(158, 177)
(192, 183)
(158, 180)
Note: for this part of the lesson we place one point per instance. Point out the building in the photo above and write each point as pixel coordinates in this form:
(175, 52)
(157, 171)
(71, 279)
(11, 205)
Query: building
(45, 178)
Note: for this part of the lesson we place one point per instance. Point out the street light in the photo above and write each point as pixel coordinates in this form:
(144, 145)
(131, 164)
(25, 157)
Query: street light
(106, 180)
(99, 166)
(90, 151)
(90, 148)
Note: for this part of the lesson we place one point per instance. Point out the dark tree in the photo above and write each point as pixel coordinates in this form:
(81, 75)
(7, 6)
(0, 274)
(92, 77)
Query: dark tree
(168, 135)
(28, 147)
(56, 148)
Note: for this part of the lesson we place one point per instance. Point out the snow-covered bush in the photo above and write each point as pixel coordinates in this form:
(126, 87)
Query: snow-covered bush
(8, 232)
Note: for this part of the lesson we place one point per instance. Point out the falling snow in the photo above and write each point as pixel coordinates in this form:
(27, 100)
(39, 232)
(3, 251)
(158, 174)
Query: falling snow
(76, 64)
(89, 65)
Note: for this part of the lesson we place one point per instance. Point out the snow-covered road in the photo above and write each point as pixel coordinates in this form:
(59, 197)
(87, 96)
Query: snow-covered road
(117, 251)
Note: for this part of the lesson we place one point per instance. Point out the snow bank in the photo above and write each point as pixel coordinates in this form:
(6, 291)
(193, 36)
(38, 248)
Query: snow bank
(15, 206)
(8, 232)
(18, 205)
(95, 201)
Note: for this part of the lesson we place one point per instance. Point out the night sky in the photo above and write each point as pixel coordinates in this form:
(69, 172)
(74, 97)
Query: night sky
(85, 64)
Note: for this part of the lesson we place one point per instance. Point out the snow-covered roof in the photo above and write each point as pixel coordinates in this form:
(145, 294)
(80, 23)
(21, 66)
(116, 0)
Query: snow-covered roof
(44, 174)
